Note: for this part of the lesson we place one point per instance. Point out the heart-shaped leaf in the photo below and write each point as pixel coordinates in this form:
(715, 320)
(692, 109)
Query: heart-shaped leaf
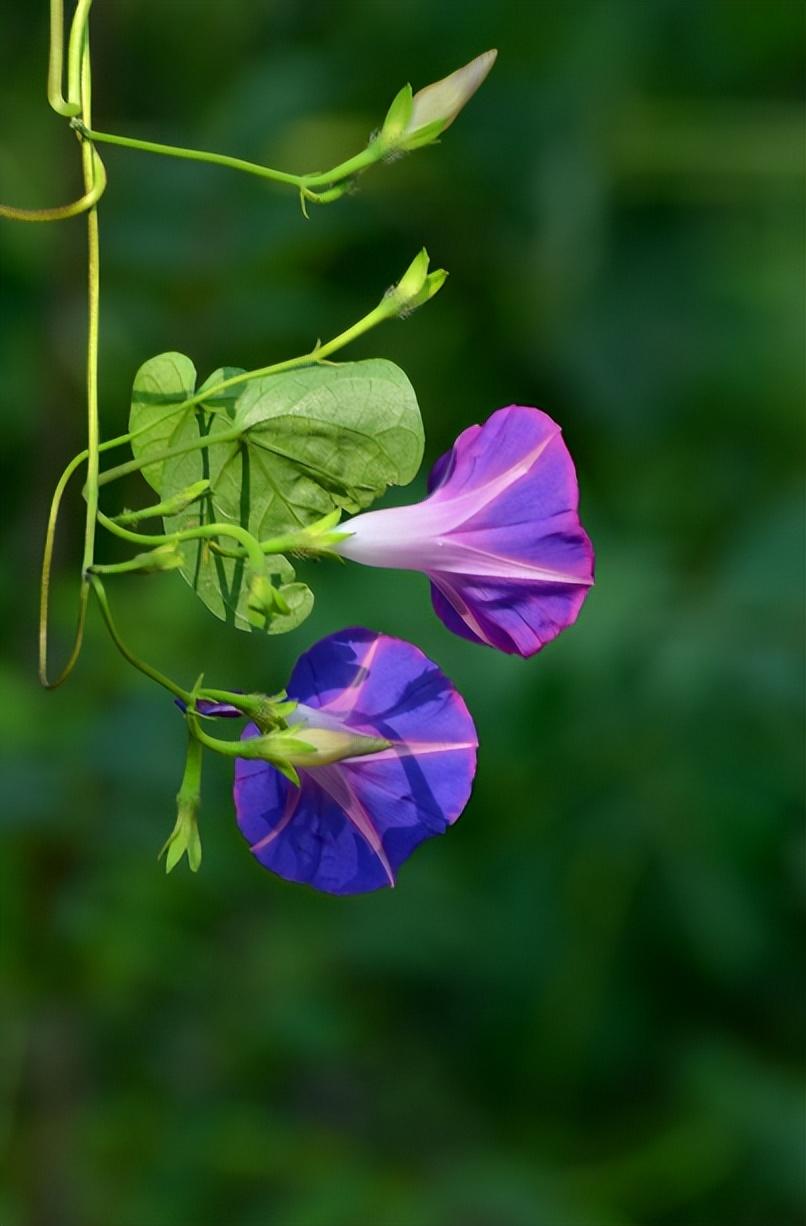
(311, 440)
(161, 385)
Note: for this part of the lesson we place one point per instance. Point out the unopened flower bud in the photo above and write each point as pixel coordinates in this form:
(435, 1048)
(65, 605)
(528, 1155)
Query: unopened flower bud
(413, 278)
(432, 285)
(164, 557)
(435, 107)
(302, 745)
(169, 506)
(264, 599)
(416, 286)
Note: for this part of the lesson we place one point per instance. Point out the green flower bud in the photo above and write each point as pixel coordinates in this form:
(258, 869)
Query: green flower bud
(301, 745)
(435, 107)
(169, 506)
(264, 600)
(164, 557)
(415, 287)
(413, 278)
(432, 285)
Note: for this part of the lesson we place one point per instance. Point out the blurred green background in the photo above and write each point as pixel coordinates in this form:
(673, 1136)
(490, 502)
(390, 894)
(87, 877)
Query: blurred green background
(584, 1006)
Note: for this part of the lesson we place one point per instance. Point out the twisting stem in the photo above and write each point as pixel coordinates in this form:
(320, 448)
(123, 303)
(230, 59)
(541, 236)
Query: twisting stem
(129, 655)
(77, 71)
(47, 562)
(44, 586)
(62, 211)
(90, 169)
(56, 62)
(93, 295)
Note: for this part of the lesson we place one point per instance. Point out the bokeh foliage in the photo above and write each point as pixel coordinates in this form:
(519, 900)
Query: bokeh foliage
(583, 1006)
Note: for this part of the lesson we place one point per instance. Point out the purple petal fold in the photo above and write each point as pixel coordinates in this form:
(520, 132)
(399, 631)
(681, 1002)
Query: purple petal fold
(206, 706)
(350, 825)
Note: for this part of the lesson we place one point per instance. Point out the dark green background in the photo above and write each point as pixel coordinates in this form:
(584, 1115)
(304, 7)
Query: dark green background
(583, 1007)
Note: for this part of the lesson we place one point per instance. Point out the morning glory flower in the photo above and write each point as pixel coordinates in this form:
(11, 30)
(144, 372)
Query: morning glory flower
(499, 536)
(353, 821)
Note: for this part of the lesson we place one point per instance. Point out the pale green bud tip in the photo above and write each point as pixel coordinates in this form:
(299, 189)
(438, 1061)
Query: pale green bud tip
(432, 285)
(441, 102)
(164, 557)
(183, 499)
(301, 745)
(264, 599)
(326, 745)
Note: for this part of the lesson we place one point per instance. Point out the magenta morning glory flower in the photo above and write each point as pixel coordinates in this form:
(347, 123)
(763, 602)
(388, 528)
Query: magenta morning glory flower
(499, 535)
(351, 823)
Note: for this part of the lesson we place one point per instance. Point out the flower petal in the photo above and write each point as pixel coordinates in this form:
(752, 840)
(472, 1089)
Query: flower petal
(515, 617)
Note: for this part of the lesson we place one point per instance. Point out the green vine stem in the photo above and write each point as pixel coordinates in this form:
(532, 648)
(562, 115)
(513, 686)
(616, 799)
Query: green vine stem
(147, 669)
(237, 533)
(386, 309)
(56, 62)
(330, 180)
(134, 466)
(78, 71)
(186, 697)
(194, 155)
(91, 183)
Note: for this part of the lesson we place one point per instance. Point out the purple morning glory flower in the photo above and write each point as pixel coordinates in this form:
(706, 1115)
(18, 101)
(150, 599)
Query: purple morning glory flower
(350, 824)
(499, 536)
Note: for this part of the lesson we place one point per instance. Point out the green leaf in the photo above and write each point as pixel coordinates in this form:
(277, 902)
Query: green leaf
(313, 440)
(160, 385)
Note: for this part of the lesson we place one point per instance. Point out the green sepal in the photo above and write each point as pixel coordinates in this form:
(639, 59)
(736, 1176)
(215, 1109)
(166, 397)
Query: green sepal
(427, 135)
(184, 839)
(397, 117)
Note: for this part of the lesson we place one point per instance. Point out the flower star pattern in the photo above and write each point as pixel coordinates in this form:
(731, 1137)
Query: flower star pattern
(350, 824)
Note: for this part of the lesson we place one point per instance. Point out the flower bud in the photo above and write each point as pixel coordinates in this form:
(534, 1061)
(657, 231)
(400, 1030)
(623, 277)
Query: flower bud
(169, 506)
(416, 286)
(413, 278)
(435, 107)
(300, 745)
(164, 557)
(264, 599)
(326, 745)
(432, 285)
